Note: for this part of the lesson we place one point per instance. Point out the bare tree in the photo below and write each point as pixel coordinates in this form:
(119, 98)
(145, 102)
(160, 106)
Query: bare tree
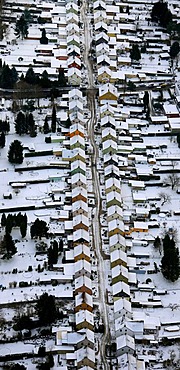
(164, 197)
(172, 180)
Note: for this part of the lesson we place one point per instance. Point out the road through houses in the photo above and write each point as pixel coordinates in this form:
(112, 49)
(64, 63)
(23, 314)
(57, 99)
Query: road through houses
(91, 95)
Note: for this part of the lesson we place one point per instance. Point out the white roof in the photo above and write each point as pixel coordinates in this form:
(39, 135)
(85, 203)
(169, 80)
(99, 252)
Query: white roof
(83, 281)
(121, 304)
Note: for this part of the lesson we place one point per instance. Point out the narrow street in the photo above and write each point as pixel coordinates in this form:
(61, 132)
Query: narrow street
(91, 96)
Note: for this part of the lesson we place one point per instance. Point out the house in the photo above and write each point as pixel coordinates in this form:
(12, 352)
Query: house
(83, 284)
(75, 94)
(99, 5)
(75, 105)
(119, 273)
(106, 110)
(79, 193)
(122, 308)
(114, 212)
(73, 40)
(80, 222)
(108, 121)
(78, 180)
(171, 110)
(111, 159)
(113, 198)
(77, 154)
(84, 319)
(77, 141)
(100, 16)
(74, 62)
(112, 184)
(72, 29)
(125, 344)
(76, 117)
(108, 93)
(116, 226)
(102, 61)
(141, 226)
(85, 358)
(101, 49)
(81, 251)
(101, 37)
(82, 267)
(109, 146)
(101, 27)
(83, 301)
(111, 171)
(117, 241)
(108, 133)
(120, 289)
(71, 7)
(104, 73)
(174, 125)
(87, 337)
(118, 257)
(79, 207)
(74, 76)
(76, 128)
(80, 236)
(71, 17)
(78, 167)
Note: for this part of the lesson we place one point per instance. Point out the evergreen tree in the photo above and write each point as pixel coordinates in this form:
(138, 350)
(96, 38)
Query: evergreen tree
(46, 128)
(161, 14)
(9, 244)
(53, 123)
(146, 100)
(6, 78)
(68, 123)
(135, 52)
(15, 154)
(61, 245)
(21, 27)
(9, 223)
(4, 126)
(178, 139)
(27, 16)
(23, 228)
(30, 76)
(50, 360)
(45, 81)
(14, 75)
(46, 309)
(61, 78)
(2, 140)
(3, 220)
(39, 228)
(44, 39)
(157, 242)
(55, 251)
(170, 262)
(174, 49)
(21, 125)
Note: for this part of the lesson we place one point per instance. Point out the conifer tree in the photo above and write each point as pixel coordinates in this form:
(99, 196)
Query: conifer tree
(46, 128)
(170, 266)
(15, 154)
(53, 123)
(3, 220)
(135, 52)
(44, 39)
(21, 27)
(2, 140)
(21, 125)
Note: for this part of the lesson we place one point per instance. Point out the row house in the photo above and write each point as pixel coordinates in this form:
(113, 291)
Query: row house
(84, 318)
